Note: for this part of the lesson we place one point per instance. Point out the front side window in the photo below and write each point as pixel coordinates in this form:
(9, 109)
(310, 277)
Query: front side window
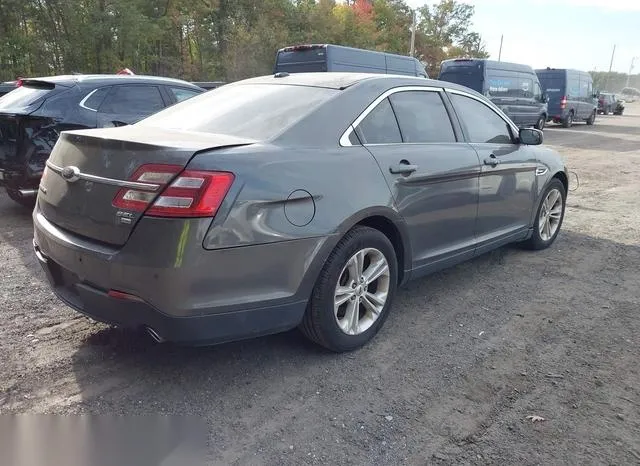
(537, 92)
(422, 117)
(481, 123)
(380, 126)
(132, 100)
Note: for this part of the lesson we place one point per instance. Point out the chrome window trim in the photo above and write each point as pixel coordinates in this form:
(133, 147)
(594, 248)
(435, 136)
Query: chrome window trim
(490, 106)
(84, 101)
(109, 181)
(344, 139)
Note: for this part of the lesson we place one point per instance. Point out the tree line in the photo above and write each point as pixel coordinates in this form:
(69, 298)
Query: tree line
(225, 40)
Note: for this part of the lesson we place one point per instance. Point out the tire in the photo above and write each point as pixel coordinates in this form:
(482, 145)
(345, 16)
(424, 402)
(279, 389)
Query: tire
(592, 119)
(541, 122)
(323, 323)
(28, 202)
(568, 120)
(545, 238)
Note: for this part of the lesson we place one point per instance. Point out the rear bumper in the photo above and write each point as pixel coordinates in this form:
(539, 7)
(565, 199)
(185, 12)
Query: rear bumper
(212, 297)
(196, 330)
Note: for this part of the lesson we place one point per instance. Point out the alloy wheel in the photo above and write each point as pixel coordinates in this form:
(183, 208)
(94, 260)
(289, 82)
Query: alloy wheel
(362, 290)
(550, 215)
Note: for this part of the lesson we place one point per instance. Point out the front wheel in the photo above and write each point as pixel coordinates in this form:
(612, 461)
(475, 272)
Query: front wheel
(592, 118)
(549, 216)
(354, 292)
(541, 122)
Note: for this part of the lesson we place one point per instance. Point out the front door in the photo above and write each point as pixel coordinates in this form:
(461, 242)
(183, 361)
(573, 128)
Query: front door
(507, 183)
(433, 177)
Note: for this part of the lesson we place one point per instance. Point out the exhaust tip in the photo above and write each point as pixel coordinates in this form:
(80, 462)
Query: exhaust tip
(153, 334)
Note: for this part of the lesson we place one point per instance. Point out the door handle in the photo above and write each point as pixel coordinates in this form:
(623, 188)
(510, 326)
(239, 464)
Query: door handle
(491, 161)
(403, 169)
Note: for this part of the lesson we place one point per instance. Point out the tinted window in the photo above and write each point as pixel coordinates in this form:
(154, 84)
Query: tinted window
(183, 94)
(22, 97)
(537, 92)
(95, 99)
(552, 82)
(380, 126)
(481, 123)
(584, 89)
(573, 86)
(257, 111)
(422, 117)
(133, 100)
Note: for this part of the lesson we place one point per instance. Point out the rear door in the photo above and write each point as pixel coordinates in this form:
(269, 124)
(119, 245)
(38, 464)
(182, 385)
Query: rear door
(126, 104)
(508, 176)
(433, 177)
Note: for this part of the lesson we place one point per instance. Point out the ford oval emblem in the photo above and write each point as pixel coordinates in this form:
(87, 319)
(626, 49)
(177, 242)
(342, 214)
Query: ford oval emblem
(70, 174)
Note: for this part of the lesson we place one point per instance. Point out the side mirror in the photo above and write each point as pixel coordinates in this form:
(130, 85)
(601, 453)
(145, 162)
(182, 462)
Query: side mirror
(530, 136)
(595, 96)
(544, 99)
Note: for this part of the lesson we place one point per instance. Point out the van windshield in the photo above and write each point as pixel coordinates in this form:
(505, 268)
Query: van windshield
(467, 76)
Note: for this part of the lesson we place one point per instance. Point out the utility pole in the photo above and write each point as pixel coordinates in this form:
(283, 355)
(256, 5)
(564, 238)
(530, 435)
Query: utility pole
(500, 52)
(633, 60)
(412, 49)
(606, 83)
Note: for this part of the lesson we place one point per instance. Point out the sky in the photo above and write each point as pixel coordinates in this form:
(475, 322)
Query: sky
(577, 34)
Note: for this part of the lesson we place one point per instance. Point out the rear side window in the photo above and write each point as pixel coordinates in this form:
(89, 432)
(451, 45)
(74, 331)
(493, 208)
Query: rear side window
(133, 100)
(481, 124)
(257, 111)
(181, 93)
(380, 126)
(95, 98)
(422, 117)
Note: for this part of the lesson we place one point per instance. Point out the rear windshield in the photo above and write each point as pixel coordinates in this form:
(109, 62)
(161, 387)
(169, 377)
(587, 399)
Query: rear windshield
(256, 111)
(302, 61)
(552, 82)
(469, 76)
(22, 97)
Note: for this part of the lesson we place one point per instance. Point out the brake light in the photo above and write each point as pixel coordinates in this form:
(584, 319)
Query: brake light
(563, 102)
(186, 193)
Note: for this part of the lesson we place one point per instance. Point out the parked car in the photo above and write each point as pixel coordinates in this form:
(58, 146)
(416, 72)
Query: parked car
(33, 115)
(570, 95)
(607, 103)
(514, 88)
(278, 202)
(336, 58)
(7, 87)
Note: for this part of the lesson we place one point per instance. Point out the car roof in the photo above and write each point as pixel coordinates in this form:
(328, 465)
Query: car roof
(102, 79)
(491, 64)
(337, 80)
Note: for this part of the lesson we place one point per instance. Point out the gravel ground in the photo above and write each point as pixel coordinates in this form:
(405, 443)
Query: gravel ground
(465, 357)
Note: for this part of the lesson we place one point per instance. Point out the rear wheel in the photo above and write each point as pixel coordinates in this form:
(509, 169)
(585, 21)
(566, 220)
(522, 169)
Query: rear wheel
(549, 217)
(592, 118)
(15, 196)
(354, 292)
(568, 120)
(541, 122)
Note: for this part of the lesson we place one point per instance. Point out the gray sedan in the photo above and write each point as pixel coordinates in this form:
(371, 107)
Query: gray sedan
(288, 201)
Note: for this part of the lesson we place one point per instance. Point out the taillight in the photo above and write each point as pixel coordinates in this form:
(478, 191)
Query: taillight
(563, 102)
(190, 194)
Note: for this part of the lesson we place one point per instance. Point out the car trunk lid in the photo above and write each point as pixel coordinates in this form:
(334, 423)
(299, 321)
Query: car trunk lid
(99, 163)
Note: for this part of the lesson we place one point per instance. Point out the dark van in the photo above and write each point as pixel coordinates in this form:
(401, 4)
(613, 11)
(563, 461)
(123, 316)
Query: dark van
(512, 87)
(570, 94)
(328, 57)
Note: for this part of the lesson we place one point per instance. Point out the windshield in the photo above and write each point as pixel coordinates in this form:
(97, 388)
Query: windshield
(22, 97)
(465, 76)
(257, 111)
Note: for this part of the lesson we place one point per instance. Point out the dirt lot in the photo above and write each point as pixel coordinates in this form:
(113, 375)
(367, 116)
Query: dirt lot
(467, 355)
